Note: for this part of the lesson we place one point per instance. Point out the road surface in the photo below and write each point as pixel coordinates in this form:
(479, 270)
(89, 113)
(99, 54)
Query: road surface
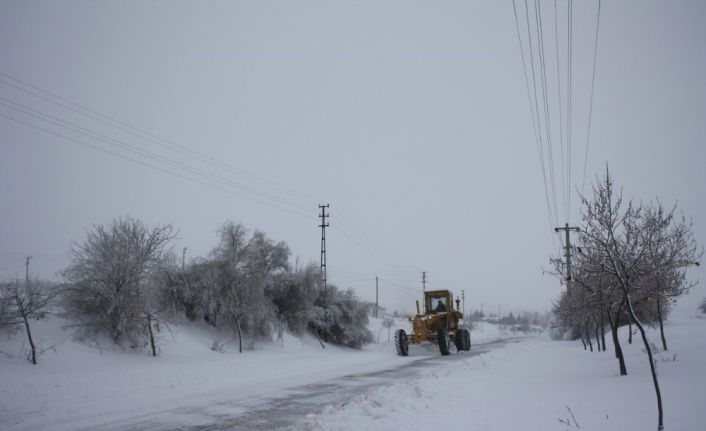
(291, 406)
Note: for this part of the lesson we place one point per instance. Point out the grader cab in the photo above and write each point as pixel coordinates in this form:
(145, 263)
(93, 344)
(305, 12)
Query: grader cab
(439, 324)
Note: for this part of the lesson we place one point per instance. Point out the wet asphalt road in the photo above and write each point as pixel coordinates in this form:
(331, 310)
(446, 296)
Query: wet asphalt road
(294, 404)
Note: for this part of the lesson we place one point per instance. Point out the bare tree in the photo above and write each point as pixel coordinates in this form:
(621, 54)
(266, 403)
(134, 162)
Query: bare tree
(635, 244)
(110, 278)
(21, 302)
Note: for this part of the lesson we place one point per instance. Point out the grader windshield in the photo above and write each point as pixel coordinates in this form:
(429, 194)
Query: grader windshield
(437, 302)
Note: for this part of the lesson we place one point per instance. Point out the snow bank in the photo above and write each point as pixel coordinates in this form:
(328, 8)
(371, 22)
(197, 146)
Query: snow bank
(538, 384)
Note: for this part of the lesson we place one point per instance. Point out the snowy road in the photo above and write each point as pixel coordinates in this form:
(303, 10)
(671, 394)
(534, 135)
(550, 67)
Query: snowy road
(291, 407)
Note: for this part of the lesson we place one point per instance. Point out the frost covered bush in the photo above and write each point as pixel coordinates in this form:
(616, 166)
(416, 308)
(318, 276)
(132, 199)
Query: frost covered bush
(111, 289)
(346, 318)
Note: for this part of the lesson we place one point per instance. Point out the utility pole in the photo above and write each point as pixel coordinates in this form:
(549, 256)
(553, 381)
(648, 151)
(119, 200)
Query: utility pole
(27, 270)
(376, 296)
(463, 301)
(424, 289)
(323, 227)
(183, 258)
(567, 249)
(481, 318)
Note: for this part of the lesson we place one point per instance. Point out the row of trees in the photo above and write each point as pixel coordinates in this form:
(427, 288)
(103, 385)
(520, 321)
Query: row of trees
(126, 283)
(629, 267)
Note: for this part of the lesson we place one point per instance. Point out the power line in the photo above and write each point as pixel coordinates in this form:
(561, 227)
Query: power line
(399, 285)
(561, 122)
(545, 101)
(86, 144)
(569, 106)
(369, 240)
(534, 109)
(590, 106)
(112, 122)
(136, 131)
(145, 153)
(142, 134)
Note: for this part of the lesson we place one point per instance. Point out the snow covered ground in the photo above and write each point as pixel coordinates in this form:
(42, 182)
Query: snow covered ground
(77, 386)
(538, 384)
(527, 384)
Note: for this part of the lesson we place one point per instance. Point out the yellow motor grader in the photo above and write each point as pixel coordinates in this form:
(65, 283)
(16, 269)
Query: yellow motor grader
(439, 325)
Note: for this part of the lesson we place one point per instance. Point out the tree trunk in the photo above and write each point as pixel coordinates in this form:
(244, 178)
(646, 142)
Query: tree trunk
(240, 336)
(660, 412)
(149, 329)
(598, 338)
(616, 342)
(319, 338)
(588, 336)
(629, 328)
(29, 337)
(661, 323)
(583, 340)
(603, 329)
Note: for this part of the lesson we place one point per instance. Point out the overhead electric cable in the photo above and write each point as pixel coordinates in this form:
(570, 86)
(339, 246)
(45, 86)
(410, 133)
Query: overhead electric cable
(561, 121)
(96, 147)
(145, 153)
(547, 113)
(110, 121)
(136, 131)
(535, 119)
(590, 106)
(569, 108)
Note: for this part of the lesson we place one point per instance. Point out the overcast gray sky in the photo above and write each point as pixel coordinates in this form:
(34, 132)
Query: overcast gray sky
(410, 118)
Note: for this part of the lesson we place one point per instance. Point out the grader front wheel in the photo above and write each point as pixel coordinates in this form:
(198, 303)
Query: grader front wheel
(443, 339)
(401, 342)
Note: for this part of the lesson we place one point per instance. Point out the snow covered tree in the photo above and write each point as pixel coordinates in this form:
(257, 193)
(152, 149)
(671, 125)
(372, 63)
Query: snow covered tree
(632, 244)
(111, 279)
(702, 307)
(22, 302)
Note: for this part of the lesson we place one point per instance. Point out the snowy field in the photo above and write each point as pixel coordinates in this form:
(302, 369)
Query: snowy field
(538, 384)
(525, 383)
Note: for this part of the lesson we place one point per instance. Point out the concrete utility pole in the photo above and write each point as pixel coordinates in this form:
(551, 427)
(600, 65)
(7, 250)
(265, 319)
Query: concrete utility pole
(183, 257)
(323, 227)
(567, 249)
(376, 296)
(481, 318)
(424, 289)
(463, 301)
(27, 270)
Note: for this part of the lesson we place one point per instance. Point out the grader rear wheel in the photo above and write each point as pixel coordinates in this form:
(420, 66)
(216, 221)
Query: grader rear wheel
(463, 340)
